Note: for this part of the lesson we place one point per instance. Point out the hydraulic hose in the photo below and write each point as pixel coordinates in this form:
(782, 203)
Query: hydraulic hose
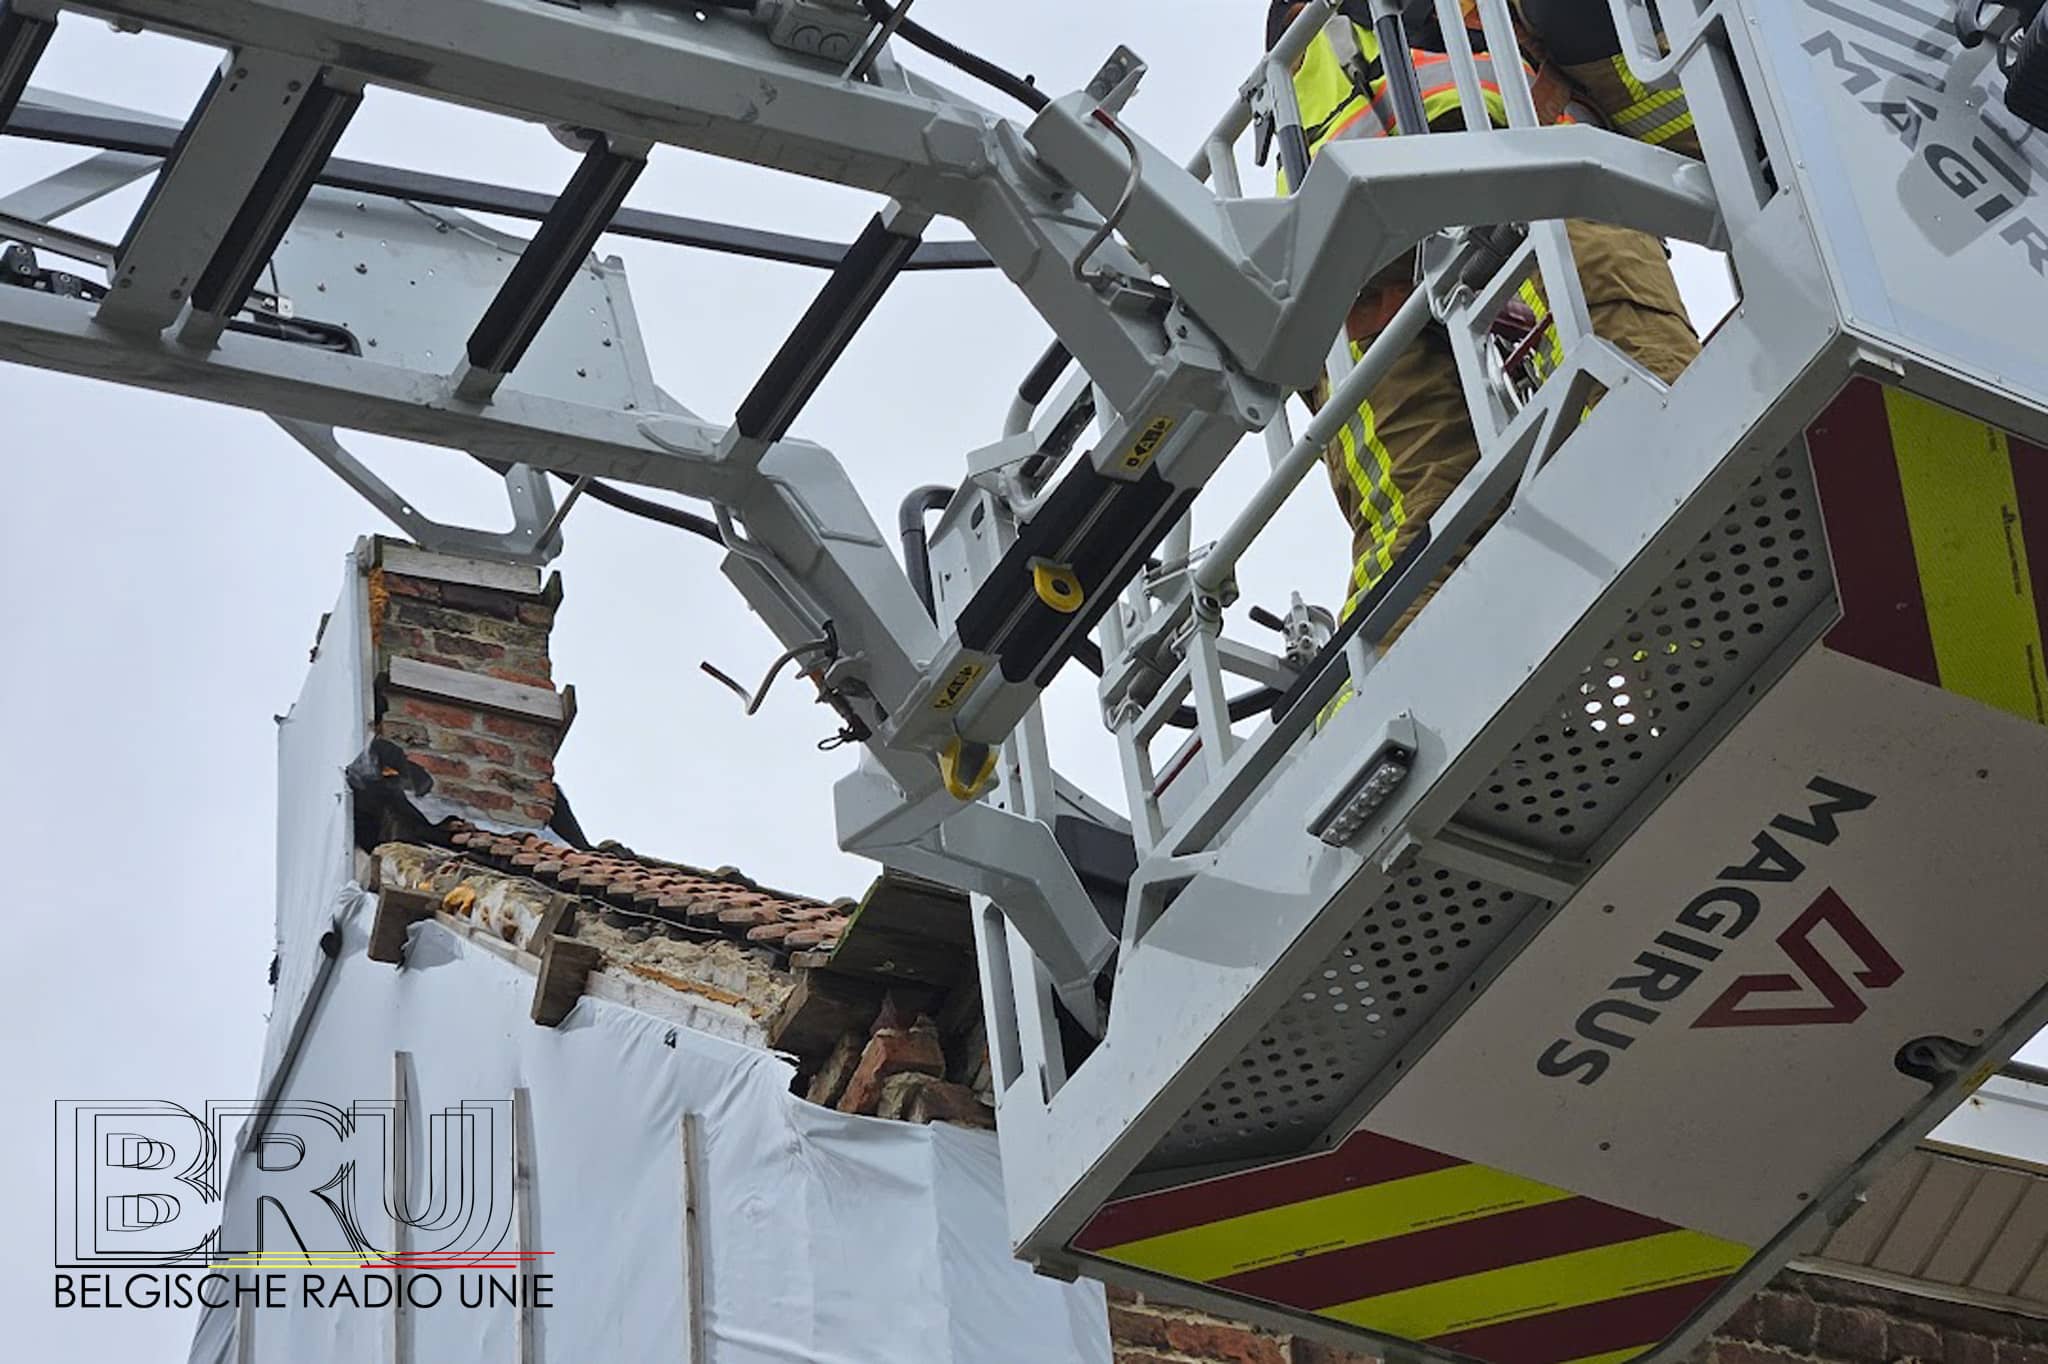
(917, 558)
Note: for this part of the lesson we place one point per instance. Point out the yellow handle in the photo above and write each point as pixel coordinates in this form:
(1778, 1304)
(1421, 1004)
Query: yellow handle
(967, 768)
(1058, 587)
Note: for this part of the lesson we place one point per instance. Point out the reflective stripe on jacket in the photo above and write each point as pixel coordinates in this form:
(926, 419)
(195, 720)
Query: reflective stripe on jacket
(1327, 86)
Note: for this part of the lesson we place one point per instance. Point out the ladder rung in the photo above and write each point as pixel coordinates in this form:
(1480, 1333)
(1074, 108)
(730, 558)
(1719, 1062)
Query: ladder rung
(280, 191)
(869, 267)
(245, 115)
(544, 270)
(22, 40)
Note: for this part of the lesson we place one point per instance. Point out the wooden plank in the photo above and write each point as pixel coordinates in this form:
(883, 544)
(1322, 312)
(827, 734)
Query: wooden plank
(398, 1176)
(437, 683)
(397, 911)
(693, 1238)
(565, 965)
(559, 911)
(523, 1217)
(906, 929)
(824, 1006)
(413, 562)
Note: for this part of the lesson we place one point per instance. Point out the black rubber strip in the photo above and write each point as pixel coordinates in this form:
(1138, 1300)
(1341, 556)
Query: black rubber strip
(550, 262)
(827, 327)
(280, 191)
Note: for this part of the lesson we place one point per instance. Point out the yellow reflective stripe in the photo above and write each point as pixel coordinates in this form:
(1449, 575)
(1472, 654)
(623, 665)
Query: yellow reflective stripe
(1541, 1286)
(1355, 1217)
(1657, 137)
(1636, 89)
(1956, 474)
(1548, 356)
(1664, 111)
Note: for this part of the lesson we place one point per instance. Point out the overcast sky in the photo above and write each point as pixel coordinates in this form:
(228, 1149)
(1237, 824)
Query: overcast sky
(166, 564)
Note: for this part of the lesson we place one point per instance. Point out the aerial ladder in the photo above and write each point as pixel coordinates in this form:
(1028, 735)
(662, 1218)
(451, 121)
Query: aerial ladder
(1525, 993)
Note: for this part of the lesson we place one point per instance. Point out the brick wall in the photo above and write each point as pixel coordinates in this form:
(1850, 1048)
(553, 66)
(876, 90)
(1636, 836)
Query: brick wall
(1815, 1319)
(487, 622)
(1799, 1319)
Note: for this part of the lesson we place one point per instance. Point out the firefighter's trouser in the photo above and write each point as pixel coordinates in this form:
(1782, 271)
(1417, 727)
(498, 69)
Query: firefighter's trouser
(1413, 443)
(1580, 37)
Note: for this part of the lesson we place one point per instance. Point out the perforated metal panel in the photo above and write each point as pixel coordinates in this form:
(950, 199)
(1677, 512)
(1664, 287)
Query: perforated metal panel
(1687, 652)
(1414, 947)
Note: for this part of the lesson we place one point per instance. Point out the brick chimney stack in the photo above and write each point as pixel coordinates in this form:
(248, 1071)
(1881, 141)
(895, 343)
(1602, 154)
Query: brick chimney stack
(463, 682)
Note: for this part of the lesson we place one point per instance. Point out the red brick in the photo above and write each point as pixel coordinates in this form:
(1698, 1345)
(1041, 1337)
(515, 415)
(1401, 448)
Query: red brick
(407, 638)
(1852, 1333)
(922, 1099)
(461, 646)
(1118, 1293)
(535, 812)
(479, 797)
(433, 712)
(1964, 1347)
(399, 585)
(1785, 1319)
(1315, 1352)
(1137, 1328)
(831, 1080)
(408, 734)
(476, 746)
(1140, 1357)
(441, 766)
(892, 1051)
(1916, 1340)
(1223, 1343)
(522, 676)
(534, 613)
(523, 731)
(539, 764)
(483, 600)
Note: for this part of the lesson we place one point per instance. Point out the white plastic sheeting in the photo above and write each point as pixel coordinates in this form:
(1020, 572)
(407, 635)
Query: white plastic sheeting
(326, 728)
(825, 1237)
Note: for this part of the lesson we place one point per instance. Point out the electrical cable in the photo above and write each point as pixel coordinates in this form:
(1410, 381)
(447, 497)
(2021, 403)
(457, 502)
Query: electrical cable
(1123, 204)
(620, 500)
(987, 72)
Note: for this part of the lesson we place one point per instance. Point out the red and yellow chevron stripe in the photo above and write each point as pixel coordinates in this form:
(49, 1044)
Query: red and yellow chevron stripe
(1421, 1246)
(1938, 526)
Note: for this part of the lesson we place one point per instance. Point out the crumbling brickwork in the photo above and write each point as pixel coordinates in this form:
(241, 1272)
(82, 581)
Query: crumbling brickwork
(1799, 1319)
(490, 759)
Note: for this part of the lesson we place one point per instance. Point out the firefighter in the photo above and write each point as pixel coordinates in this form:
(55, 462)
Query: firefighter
(1413, 441)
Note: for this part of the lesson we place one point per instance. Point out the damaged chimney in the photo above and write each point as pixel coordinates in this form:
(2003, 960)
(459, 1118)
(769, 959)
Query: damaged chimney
(463, 682)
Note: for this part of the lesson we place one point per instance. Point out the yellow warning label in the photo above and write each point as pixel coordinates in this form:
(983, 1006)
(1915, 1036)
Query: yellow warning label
(1147, 445)
(958, 686)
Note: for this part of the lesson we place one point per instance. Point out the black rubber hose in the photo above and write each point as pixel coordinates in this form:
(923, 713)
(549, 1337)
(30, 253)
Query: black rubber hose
(628, 503)
(917, 557)
(652, 511)
(983, 70)
(1051, 365)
